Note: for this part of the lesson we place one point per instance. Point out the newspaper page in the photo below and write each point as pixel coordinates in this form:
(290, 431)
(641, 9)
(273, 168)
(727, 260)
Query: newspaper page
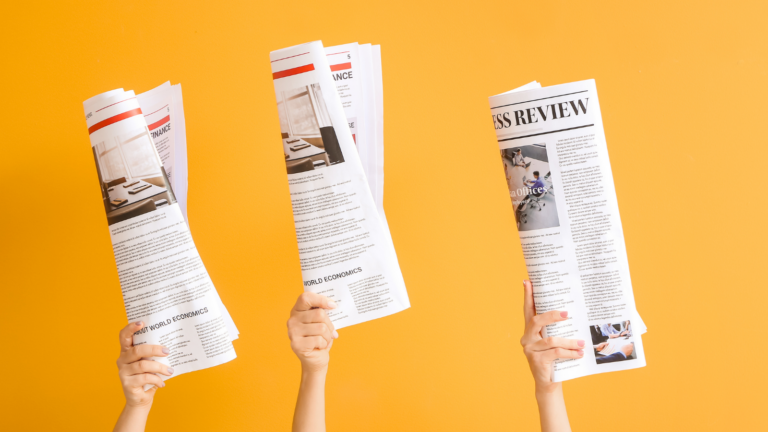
(378, 163)
(368, 88)
(556, 166)
(345, 250)
(162, 277)
(163, 111)
(359, 83)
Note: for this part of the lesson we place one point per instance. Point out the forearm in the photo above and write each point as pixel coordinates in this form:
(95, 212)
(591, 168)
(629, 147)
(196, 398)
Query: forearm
(133, 419)
(310, 405)
(552, 412)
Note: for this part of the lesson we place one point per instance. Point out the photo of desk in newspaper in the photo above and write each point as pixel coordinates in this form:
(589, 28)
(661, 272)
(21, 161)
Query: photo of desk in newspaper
(612, 342)
(530, 186)
(309, 140)
(132, 180)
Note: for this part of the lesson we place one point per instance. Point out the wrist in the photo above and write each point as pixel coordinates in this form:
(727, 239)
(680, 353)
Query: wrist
(313, 371)
(547, 390)
(138, 407)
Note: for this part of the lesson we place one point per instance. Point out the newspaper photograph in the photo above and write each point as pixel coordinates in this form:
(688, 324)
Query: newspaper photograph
(163, 280)
(558, 174)
(345, 250)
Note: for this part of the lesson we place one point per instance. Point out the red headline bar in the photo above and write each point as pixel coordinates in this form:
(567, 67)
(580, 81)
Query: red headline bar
(294, 71)
(114, 119)
(342, 66)
(159, 123)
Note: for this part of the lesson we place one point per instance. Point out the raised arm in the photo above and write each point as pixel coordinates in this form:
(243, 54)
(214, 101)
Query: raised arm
(135, 371)
(312, 334)
(541, 353)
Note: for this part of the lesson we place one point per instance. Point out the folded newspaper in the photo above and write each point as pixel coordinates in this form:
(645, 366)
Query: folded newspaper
(345, 249)
(162, 276)
(561, 187)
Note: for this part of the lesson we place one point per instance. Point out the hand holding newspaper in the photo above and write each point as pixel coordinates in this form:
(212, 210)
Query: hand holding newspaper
(345, 249)
(162, 277)
(560, 184)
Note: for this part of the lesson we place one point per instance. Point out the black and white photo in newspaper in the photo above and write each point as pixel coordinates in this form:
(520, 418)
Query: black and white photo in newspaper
(345, 250)
(162, 277)
(558, 173)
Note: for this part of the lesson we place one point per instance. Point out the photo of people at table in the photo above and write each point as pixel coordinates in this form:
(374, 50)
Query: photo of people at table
(526, 169)
(612, 341)
(309, 140)
(131, 178)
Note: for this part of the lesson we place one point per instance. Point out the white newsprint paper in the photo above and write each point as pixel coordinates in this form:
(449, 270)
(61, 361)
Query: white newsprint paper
(561, 187)
(162, 277)
(345, 249)
(163, 110)
(357, 73)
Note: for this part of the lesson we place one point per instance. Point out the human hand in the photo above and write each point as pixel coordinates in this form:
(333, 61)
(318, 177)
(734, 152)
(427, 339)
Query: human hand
(613, 336)
(624, 333)
(135, 370)
(541, 353)
(311, 331)
(601, 346)
(628, 349)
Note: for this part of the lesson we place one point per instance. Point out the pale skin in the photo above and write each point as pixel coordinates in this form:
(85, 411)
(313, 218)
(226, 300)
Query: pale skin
(312, 334)
(135, 371)
(541, 353)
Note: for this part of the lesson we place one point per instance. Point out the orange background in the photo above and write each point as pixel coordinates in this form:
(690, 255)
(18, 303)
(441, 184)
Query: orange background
(682, 87)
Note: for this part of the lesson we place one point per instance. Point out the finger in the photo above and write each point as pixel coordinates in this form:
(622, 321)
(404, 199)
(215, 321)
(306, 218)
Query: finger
(539, 321)
(315, 329)
(308, 300)
(143, 379)
(529, 310)
(557, 342)
(561, 353)
(309, 343)
(315, 316)
(148, 366)
(325, 319)
(126, 335)
(142, 351)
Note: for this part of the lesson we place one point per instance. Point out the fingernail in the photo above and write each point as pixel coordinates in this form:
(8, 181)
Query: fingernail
(170, 370)
(335, 334)
(138, 323)
(162, 384)
(564, 314)
(331, 304)
(166, 350)
(523, 283)
(581, 343)
(581, 353)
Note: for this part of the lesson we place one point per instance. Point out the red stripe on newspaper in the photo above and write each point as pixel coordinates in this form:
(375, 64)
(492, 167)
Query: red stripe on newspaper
(115, 104)
(336, 53)
(147, 115)
(342, 66)
(286, 58)
(113, 120)
(354, 139)
(294, 71)
(159, 123)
